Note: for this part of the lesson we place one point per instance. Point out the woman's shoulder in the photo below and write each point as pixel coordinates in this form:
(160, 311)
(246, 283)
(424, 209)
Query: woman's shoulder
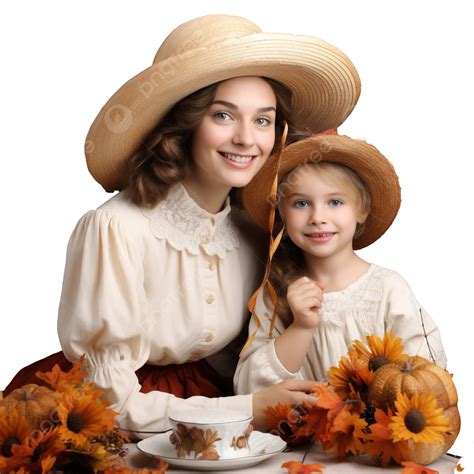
(118, 215)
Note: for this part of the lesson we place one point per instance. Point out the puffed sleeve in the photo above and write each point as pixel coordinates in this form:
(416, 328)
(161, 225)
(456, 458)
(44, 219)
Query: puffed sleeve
(103, 315)
(407, 319)
(258, 365)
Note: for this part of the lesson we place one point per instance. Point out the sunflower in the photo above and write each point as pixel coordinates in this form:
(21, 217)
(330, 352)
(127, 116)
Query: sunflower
(277, 414)
(418, 418)
(81, 417)
(14, 431)
(380, 351)
(46, 444)
(352, 376)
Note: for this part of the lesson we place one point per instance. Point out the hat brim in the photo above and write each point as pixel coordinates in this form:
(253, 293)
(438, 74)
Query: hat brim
(324, 83)
(375, 171)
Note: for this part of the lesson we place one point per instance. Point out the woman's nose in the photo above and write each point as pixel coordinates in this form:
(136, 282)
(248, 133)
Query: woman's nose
(243, 135)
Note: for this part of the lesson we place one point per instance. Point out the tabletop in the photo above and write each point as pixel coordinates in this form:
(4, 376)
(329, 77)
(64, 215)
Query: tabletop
(444, 465)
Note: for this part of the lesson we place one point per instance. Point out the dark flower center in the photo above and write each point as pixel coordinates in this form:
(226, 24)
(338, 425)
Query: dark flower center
(415, 421)
(75, 422)
(377, 362)
(7, 446)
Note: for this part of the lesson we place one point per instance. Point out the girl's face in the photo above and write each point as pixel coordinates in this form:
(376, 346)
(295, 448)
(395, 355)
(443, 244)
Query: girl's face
(321, 209)
(237, 133)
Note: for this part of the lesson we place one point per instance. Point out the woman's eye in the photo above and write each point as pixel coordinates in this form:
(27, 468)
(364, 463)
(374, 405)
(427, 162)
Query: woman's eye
(335, 202)
(222, 115)
(263, 121)
(301, 204)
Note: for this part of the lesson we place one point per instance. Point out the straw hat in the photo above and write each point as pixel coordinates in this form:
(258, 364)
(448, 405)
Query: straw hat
(375, 171)
(323, 81)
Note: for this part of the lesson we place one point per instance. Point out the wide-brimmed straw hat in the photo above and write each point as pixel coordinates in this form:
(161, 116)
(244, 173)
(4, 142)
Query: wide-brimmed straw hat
(375, 171)
(323, 81)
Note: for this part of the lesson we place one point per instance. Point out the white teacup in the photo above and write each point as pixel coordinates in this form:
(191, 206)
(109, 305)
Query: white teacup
(210, 434)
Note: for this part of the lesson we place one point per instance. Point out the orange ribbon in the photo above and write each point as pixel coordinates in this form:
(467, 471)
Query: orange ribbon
(273, 245)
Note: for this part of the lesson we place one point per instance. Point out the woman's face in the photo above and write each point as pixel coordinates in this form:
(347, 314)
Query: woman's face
(236, 134)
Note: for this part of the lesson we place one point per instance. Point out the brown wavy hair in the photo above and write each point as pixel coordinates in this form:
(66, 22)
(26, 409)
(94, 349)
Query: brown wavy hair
(165, 156)
(288, 262)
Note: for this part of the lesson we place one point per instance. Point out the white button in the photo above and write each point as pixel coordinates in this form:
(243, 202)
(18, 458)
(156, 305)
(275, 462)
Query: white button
(211, 266)
(205, 240)
(210, 299)
(209, 337)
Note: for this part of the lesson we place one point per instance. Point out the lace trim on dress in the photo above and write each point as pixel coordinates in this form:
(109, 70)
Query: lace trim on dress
(186, 226)
(361, 297)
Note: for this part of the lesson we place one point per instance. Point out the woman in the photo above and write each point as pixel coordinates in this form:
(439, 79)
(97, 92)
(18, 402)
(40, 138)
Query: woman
(157, 278)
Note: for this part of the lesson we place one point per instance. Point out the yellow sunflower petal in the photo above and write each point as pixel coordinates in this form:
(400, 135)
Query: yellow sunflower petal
(418, 418)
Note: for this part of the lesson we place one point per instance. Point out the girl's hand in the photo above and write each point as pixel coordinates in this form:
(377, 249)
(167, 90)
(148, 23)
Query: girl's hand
(291, 392)
(305, 297)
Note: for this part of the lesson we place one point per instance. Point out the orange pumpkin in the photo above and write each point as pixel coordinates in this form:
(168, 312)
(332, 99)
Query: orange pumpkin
(34, 403)
(418, 375)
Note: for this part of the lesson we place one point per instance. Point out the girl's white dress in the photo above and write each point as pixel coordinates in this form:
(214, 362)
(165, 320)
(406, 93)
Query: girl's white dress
(162, 286)
(379, 301)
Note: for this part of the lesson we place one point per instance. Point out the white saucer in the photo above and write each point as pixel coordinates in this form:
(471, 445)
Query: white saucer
(262, 446)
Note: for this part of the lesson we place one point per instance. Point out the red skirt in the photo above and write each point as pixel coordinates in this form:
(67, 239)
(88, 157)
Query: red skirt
(184, 380)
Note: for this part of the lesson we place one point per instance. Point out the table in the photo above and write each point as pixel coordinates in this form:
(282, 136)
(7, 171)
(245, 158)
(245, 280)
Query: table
(445, 464)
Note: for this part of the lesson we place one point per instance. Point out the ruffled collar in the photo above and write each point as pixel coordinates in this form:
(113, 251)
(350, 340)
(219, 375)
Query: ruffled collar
(186, 226)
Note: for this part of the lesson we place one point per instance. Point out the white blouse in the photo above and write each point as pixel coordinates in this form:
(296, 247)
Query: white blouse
(162, 286)
(379, 301)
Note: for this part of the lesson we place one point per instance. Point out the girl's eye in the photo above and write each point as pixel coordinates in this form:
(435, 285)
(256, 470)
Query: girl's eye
(335, 202)
(301, 204)
(263, 121)
(224, 116)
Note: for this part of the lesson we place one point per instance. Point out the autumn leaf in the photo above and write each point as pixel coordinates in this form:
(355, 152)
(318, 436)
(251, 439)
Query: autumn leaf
(413, 468)
(295, 467)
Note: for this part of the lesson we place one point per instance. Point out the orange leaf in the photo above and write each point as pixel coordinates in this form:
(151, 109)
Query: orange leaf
(295, 467)
(413, 468)
(59, 380)
(459, 468)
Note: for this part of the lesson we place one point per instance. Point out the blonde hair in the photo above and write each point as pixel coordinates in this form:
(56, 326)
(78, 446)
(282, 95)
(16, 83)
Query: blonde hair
(288, 261)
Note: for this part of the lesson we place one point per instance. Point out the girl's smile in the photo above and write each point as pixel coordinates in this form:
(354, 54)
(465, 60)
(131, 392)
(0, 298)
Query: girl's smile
(321, 212)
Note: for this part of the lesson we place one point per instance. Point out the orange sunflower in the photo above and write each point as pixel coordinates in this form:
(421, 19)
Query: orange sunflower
(14, 434)
(81, 416)
(14, 431)
(46, 444)
(276, 414)
(418, 418)
(380, 351)
(352, 376)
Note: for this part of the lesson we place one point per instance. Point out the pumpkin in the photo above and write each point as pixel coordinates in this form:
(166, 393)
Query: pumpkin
(418, 375)
(34, 403)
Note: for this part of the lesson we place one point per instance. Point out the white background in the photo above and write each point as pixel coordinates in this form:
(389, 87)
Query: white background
(61, 61)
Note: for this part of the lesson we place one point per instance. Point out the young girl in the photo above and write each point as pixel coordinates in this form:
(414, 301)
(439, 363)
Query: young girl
(335, 195)
(157, 278)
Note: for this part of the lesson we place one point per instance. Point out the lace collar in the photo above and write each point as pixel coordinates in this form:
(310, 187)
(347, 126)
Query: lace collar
(186, 226)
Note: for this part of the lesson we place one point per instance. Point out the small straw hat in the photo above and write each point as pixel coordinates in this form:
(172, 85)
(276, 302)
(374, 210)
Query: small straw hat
(324, 84)
(375, 171)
